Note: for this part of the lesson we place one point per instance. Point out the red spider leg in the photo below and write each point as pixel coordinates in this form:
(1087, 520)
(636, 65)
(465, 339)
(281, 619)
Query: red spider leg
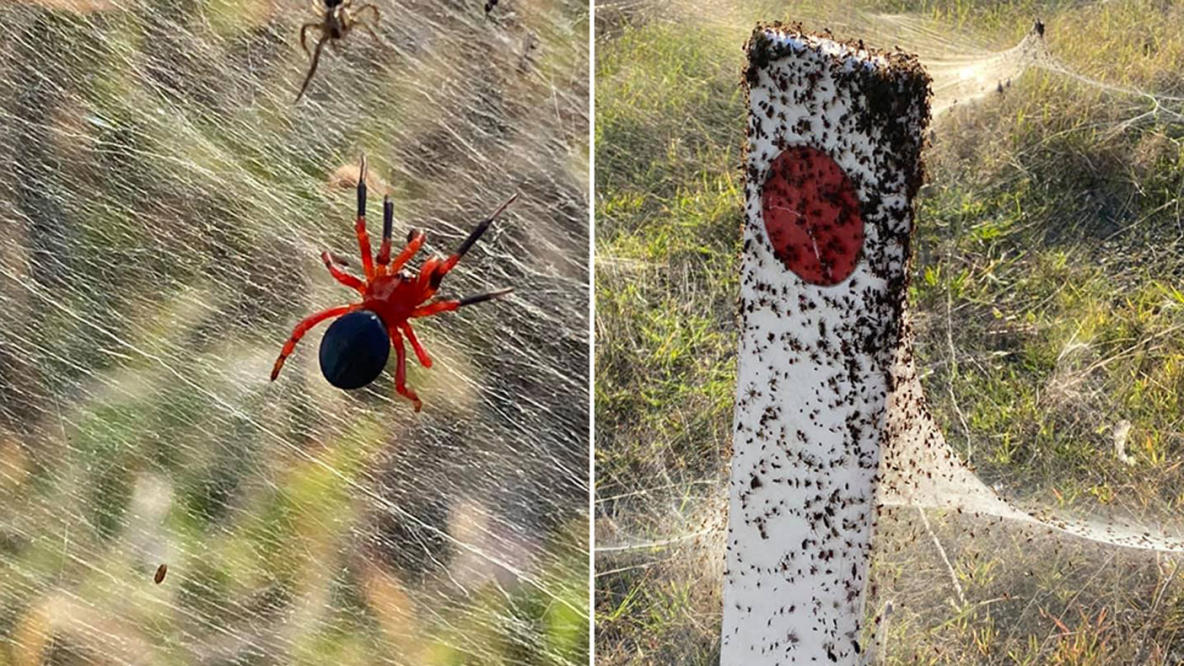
(340, 275)
(424, 359)
(415, 239)
(303, 327)
(401, 370)
(450, 305)
(428, 272)
(360, 226)
(434, 277)
(384, 250)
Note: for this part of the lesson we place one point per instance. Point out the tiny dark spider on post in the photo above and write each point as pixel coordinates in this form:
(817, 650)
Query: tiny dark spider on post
(338, 17)
(356, 346)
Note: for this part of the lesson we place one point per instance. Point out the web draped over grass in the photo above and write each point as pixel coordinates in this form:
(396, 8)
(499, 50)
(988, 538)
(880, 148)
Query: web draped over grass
(163, 206)
(1045, 298)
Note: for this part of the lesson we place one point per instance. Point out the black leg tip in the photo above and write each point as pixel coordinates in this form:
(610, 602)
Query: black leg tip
(362, 188)
(388, 216)
(481, 298)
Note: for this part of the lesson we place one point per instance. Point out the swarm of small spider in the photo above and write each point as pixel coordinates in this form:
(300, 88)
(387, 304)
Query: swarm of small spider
(356, 346)
(338, 17)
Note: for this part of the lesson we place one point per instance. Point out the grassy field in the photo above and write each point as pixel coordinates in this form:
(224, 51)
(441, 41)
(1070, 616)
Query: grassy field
(1048, 299)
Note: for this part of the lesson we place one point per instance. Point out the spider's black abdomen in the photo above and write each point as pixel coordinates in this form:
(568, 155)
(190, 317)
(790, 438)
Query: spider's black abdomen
(354, 350)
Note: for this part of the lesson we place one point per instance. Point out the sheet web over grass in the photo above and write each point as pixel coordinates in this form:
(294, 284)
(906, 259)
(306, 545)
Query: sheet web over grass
(1045, 299)
(163, 206)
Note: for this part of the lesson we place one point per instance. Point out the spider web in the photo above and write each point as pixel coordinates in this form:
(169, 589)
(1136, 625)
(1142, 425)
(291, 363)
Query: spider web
(163, 207)
(1000, 539)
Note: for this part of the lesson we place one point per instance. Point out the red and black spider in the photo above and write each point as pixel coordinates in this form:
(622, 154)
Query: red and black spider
(356, 346)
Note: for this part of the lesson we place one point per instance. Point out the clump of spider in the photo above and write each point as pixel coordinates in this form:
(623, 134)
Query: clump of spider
(338, 17)
(356, 346)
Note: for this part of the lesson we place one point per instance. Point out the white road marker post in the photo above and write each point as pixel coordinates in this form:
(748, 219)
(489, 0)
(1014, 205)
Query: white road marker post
(833, 163)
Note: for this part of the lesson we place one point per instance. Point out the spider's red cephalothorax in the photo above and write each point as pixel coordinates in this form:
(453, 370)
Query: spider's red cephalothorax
(392, 293)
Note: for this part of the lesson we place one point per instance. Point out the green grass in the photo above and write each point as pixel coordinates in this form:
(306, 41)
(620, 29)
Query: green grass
(1047, 301)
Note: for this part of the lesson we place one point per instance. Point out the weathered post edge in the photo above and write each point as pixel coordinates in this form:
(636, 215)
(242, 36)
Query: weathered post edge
(833, 162)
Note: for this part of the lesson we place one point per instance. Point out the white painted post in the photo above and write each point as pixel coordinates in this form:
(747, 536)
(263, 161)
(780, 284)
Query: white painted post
(834, 142)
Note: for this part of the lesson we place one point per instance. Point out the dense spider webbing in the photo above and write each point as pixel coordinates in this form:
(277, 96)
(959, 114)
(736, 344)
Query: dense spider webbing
(163, 208)
(1047, 318)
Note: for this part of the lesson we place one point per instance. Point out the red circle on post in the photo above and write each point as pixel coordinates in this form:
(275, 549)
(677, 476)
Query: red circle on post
(812, 215)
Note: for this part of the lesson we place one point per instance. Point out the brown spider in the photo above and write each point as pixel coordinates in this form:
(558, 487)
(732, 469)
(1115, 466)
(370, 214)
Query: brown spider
(355, 348)
(338, 17)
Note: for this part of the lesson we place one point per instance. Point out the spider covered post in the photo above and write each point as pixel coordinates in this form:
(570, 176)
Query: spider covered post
(833, 164)
(356, 346)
